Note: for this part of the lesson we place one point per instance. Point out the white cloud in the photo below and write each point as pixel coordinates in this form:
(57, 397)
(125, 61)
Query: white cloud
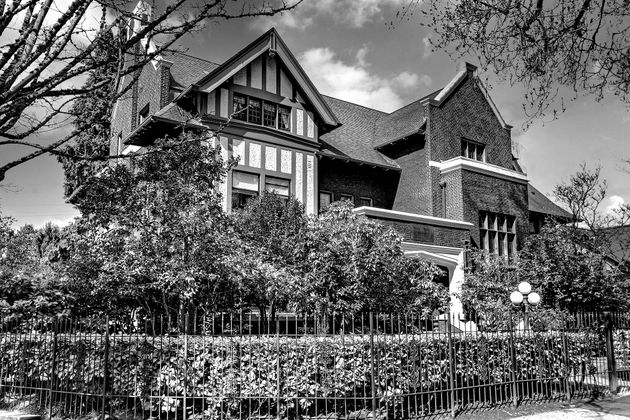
(614, 202)
(354, 82)
(355, 13)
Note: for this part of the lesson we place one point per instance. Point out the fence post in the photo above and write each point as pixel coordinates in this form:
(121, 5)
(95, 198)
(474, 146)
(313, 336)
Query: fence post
(610, 353)
(372, 366)
(513, 361)
(451, 363)
(565, 351)
(52, 370)
(184, 413)
(105, 367)
(278, 366)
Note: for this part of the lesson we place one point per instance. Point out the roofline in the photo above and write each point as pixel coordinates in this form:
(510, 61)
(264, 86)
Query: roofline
(403, 136)
(412, 217)
(359, 161)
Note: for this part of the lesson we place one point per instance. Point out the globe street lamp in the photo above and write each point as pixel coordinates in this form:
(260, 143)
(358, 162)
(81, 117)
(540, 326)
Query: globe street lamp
(524, 296)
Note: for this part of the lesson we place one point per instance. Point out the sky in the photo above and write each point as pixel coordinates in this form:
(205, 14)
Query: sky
(350, 53)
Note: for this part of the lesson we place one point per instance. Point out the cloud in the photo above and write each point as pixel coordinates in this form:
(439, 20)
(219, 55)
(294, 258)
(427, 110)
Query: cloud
(355, 83)
(354, 13)
(614, 203)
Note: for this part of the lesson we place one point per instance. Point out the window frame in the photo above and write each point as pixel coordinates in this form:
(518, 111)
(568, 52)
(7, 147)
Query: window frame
(369, 199)
(143, 114)
(497, 233)
(259, 114)
(465, 150)
(288, 181)
(347, 197)
(243, 191)
(319, 199)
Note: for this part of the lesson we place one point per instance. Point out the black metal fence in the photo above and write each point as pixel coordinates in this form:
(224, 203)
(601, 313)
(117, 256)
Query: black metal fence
(239, 366)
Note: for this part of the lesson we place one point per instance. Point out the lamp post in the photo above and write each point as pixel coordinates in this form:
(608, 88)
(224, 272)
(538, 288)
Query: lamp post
(524, 296)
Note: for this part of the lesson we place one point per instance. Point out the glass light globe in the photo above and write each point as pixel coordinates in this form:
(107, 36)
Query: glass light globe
(524, 287)
(533, 299)
(516, 297)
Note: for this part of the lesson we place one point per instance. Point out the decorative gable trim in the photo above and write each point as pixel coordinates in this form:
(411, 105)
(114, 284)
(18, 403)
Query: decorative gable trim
(272, 43)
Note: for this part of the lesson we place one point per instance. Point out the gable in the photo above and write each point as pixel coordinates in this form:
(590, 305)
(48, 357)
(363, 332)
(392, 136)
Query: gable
(268, 66)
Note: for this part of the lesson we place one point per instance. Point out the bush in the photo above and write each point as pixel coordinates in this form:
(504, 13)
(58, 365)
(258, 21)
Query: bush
(224, 377)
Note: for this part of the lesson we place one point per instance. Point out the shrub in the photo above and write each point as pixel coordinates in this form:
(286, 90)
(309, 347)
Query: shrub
(224, 377)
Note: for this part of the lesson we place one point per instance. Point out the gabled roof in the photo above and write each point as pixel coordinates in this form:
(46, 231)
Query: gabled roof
(186, 69)
(539, 203)
(270, 42)
(403, 122)
(355, 136)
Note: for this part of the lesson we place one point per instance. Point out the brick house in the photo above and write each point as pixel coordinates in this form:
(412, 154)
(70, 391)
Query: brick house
(440, 170)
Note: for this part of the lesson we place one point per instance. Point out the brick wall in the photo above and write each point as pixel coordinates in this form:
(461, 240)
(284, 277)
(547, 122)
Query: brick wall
(428, 234)
(413, 195)
(339, 177)
(467, 114)
(483, 192)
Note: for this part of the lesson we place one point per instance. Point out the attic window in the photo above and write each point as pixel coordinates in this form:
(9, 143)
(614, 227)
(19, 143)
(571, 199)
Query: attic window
(473, 150)
(257, 111)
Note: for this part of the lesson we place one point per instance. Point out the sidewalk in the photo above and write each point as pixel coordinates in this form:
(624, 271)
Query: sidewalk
(604, 409)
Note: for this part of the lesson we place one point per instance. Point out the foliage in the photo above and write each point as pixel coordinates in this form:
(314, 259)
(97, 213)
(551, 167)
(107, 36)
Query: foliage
(559, 265)
(351, 263)
(92, 118)
(226, 376)
(156, 235)
(544, 45)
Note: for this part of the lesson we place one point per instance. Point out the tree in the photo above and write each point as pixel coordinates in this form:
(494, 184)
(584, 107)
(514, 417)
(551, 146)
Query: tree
(544, 45)
(48, 49)
(582, 194)
(155, 235)
(266, 259)
(353, 264)
(91, 114)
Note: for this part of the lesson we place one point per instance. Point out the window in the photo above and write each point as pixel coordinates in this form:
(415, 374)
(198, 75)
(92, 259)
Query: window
(497, 233)
(143, 114)
(245, 186)
(279, 186)
(325, 198)
(239, 107)
(284, 118)
(472, 150)
(257, 111)
(365, 201)
(254, 114)
(269, 114)
(346, 197)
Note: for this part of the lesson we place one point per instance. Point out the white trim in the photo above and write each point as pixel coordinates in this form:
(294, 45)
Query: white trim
(451, 262)
(435, 249)
(484, 168)
(444, 93)
(411, 217)
(131, 149)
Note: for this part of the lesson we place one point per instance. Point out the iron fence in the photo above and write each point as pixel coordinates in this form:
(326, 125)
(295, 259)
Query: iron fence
(299, 366)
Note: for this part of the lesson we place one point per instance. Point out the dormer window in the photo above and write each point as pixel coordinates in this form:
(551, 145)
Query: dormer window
(473, 150)
(257, 111)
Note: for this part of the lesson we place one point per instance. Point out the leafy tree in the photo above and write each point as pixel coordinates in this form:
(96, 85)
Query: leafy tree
(156, 234)
(265, 259)
(352, 264)
(92, 118)
(544, 45)
(45, 59)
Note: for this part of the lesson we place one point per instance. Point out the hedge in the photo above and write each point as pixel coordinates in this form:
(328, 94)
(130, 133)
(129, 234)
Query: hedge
(231, 377)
